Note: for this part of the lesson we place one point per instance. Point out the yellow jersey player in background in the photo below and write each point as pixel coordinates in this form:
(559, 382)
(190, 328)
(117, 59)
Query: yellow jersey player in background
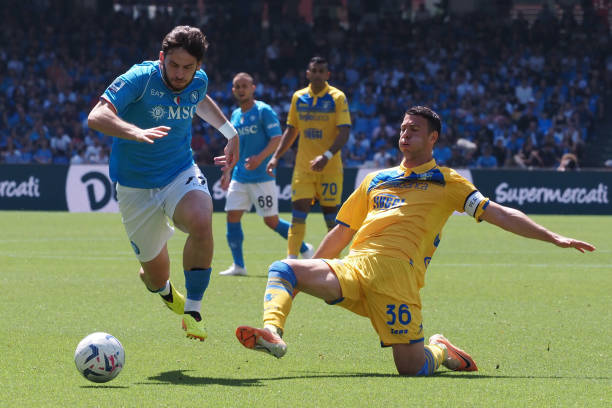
(319, 113)
(394, 219)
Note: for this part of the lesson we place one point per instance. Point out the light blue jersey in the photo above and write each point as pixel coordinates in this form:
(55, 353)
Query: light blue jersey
(255, 127)
(141, 97)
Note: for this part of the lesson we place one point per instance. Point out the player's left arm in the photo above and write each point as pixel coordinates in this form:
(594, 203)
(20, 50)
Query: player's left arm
(254, 161)
(208, 110)
(518, 223)
(334, 242)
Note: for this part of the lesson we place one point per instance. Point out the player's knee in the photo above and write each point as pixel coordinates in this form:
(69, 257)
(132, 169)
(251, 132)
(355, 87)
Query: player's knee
(282, 270)
(407, 371)
(200, 227)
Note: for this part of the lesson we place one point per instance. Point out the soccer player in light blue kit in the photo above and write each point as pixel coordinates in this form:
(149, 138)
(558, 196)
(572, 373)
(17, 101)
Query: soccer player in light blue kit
(149, 111)
(249, 184)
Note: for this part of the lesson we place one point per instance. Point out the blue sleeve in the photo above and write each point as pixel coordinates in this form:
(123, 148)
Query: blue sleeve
(270, 122)
(126, 88)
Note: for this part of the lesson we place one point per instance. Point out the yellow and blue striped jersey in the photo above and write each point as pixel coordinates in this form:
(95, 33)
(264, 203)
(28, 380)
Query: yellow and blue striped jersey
(399, 212)
(317, 118)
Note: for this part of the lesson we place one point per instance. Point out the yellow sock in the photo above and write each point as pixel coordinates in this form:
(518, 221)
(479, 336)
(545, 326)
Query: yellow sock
(279, 294)
(297, 231)
(434, 356)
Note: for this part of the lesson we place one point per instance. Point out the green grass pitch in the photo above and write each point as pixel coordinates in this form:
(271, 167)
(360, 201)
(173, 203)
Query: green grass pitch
(536, 319)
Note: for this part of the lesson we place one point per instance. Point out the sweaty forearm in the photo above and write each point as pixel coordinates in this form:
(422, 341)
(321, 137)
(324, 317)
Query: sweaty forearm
(105, 121)
(517, 222)
(334, 242)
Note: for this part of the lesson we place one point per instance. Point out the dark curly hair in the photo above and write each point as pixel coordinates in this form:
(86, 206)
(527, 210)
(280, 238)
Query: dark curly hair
(433, 119)
(187, 37)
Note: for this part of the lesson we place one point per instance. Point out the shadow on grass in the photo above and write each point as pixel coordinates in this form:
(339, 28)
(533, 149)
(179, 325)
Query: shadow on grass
(180, 377)
(104, 386)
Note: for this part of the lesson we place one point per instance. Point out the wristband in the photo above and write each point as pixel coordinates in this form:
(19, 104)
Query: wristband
(328, 154)
(227, 130)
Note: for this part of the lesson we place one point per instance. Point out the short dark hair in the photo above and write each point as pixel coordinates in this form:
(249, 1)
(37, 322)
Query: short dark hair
(187, 37)
(433, 119)
(317, 60)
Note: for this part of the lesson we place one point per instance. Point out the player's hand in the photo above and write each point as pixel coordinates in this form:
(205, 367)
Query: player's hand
(581, 246)
(152, 134)
(271, 166)
(251, 163)
(226, 177)
(232, 152)
(318, 163)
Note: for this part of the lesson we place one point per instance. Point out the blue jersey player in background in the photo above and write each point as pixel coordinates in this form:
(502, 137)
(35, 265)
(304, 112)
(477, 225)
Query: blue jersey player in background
(248, 183)
(149, 111)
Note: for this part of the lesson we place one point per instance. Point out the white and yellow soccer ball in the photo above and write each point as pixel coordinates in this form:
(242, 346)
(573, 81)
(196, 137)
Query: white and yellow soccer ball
(99, 357)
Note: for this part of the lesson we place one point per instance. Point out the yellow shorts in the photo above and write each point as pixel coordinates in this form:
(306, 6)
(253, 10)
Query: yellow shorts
(367, 289)
(324, 187)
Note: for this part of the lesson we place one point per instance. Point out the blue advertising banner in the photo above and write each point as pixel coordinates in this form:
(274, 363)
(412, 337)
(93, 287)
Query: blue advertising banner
(32, 187)
(85, 188)
(548, 192)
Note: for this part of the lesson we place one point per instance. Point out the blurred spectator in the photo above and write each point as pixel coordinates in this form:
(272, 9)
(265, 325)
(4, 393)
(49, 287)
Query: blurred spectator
(491, 78)
(486, 159)
(43, 154)
(569, 161)
(528, 156)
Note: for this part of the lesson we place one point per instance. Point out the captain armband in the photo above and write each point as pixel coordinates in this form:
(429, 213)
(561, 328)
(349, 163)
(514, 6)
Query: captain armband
(227, 130)
(472, 202)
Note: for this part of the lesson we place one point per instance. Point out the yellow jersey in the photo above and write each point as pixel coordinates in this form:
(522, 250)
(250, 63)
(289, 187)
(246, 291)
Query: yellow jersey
(399, 212)
(317, 118)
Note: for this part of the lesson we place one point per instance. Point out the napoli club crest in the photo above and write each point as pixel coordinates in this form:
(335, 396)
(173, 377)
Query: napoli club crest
(194, 96)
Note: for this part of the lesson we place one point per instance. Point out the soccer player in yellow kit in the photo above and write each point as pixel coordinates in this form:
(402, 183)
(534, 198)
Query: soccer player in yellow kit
(394, 219)
(319, 113)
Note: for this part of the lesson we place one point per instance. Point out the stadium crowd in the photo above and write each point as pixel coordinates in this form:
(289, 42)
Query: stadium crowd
(513, 93)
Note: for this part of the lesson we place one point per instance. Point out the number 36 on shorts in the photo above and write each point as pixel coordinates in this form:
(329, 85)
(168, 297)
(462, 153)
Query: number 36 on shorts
(398, 313)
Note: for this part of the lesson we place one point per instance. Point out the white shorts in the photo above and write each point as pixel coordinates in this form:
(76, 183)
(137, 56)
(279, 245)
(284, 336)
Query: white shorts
(242, 196)
(146, 213)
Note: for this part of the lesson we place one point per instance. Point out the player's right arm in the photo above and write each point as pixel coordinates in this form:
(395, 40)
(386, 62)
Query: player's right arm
(334, 242)
(103, 118)
(287, 139)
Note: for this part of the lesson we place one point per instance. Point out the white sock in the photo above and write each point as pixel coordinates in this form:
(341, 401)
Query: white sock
(274, 329)
(193, 305)
(166, 289)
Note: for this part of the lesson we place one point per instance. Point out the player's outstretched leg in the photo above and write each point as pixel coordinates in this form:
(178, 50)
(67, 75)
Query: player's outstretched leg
(457, 359)
(265, 340)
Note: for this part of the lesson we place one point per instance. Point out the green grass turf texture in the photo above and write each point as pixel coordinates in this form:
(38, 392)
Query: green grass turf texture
(536, 318)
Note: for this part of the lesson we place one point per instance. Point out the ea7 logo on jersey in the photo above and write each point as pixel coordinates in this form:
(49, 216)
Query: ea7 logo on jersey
(155, 92)
(116, 85)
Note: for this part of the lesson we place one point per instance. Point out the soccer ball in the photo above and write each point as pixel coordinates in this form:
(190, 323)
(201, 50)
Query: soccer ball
(99, 357)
